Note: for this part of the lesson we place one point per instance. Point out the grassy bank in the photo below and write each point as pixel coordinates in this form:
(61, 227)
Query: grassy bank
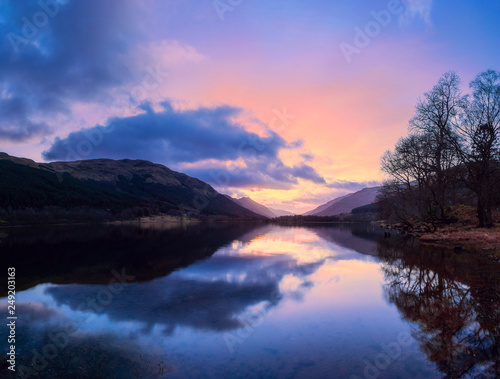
(480, 240)
(463, 234)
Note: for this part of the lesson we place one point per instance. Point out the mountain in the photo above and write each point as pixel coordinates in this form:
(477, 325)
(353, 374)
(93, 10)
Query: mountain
(324, 206)
(260, 209)
(255, 207)
(280, 212)
(347, 203)
(107, 189)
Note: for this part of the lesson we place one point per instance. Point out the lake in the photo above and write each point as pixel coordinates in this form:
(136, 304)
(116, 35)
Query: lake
(246, 301)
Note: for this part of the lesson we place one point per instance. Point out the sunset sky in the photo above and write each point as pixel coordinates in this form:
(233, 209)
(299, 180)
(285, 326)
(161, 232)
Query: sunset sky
(282, 101)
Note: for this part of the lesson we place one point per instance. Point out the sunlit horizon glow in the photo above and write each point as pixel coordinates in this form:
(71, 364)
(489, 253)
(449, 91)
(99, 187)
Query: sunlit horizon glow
(219, 80)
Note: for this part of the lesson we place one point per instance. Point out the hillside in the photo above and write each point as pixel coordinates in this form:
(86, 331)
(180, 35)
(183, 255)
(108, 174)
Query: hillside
(324, 206)
(106, 189)
(347, 203)
(255, 207)
(280, 212)
(260, 209)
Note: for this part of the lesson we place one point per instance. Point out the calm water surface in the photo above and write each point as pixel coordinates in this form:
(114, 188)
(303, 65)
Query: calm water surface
(224, 301)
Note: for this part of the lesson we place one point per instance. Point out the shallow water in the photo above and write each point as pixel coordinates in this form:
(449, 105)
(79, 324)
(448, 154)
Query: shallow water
(247, 301)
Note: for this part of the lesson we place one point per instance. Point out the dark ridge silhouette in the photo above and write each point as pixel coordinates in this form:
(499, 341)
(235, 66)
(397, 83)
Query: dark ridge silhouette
(104, 189)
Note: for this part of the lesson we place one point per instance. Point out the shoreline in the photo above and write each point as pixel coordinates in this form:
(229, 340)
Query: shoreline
(457, 237)
(143, 220)
(485, 242)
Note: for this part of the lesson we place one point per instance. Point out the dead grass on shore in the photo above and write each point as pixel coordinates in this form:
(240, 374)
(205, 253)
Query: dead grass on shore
(465, 233)
(477, 239)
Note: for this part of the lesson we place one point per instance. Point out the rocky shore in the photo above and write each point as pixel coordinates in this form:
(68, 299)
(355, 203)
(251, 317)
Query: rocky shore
(483, 241)
(462, 235)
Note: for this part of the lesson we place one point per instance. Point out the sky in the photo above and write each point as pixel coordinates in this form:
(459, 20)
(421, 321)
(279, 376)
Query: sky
(291, 103)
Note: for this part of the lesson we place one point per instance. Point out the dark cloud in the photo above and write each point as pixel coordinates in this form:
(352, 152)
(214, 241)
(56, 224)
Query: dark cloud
(262, 172)
(15, 124)
(307, 172)
(171, 137)
(179, 138)
(55, 52)
(307, 157)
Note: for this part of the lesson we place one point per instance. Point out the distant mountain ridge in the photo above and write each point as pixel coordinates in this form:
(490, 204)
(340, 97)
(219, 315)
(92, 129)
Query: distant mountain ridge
(280, 212)
(255, 207)
(111, 188)
(259, 208)
(325, 206)
(345, 204)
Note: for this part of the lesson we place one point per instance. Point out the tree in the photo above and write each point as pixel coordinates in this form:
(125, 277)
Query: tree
(453, 146)
(406, 194)
(435, 117)
(415, 190)
(477, 141)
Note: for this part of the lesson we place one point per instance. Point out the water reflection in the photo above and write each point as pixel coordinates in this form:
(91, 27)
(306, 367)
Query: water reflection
(453, 301)
(50, 345)
(212, 293)
(328, 302)
(87, 253)
(358, 237)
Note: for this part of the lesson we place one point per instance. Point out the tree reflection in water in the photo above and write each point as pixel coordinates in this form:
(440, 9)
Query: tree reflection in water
(453, 301)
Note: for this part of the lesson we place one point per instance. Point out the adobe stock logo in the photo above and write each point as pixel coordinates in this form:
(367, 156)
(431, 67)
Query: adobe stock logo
(31, 26)
(372, 29)
(222, 7)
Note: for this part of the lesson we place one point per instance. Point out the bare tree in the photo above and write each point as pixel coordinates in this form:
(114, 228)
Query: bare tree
(477, 140)
(411, 193)
(454, 145)
(435, 116)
